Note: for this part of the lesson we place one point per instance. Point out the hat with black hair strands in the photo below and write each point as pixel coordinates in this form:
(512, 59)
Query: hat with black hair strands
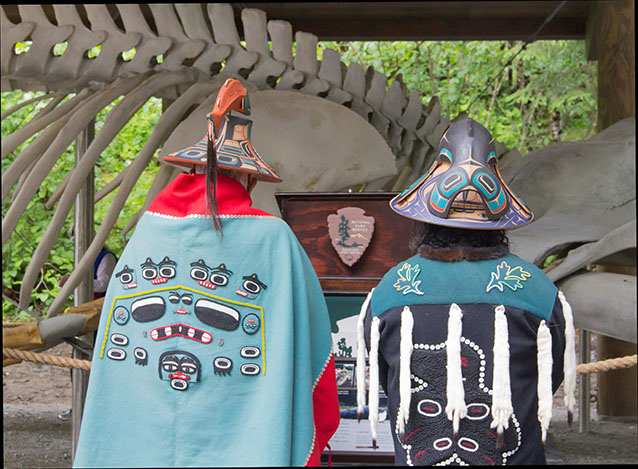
(230, 136)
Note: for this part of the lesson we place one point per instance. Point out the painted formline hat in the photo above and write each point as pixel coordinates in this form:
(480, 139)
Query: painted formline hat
(231, 135)
(464, 188)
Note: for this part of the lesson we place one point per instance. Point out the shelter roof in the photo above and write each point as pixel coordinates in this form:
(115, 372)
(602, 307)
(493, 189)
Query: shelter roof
(434, 20)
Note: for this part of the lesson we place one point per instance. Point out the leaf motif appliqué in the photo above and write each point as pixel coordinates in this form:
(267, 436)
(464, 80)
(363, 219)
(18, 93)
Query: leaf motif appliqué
(506, 276)
(407, 281)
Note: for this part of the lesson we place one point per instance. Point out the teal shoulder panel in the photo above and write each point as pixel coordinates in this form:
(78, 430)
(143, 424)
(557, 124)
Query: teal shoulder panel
(508, 280)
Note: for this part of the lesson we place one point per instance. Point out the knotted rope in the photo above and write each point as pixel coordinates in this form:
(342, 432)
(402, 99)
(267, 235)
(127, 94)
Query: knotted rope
(607, 365)
(47, 359)
(582, 369)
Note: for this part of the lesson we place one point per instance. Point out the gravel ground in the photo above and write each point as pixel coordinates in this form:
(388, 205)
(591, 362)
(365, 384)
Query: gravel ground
(33, 396)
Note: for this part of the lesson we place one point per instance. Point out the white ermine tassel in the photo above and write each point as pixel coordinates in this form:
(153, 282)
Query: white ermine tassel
(544, 390)
(361, 357)
(569, 362)
(501, 391)
(455, 408)
(405, 382)
(373, 396)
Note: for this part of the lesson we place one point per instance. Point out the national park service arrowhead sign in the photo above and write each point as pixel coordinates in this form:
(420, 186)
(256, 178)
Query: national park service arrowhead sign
(350, 232)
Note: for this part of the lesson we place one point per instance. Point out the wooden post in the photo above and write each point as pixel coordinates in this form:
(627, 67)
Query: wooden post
(584, 390)
(610, 40)
(84, 216)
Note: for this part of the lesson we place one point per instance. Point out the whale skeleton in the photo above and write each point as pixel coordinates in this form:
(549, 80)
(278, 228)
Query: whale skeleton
(185, 56)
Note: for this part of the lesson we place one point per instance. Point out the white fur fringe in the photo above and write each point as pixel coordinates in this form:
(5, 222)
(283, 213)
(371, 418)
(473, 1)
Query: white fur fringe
(405, 382)
(501, 391)
(455, 408)
(373, 396)
(544, 390)
(361, 356)
(569, 363)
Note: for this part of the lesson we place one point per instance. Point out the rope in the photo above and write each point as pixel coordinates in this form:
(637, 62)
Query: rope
(9, 325)
(607, 365)
(47, 359)
(583, 368)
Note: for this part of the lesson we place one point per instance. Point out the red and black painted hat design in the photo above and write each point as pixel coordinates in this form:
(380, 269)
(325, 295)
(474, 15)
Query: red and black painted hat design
(231, 135)
(464, 188)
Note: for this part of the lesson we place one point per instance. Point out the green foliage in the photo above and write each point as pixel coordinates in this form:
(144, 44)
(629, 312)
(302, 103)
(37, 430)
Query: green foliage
(18, 250)
(116, 157)
(94, 51)
(22, 47)
(547, 94)
(60, 48)
(128, 54)
(549, 260)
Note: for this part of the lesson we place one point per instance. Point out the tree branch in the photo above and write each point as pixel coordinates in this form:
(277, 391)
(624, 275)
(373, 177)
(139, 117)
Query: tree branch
(356, 51)
(497, 88)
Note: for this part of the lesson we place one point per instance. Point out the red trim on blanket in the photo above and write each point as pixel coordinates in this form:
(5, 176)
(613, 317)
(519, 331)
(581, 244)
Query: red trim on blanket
(325, 405)
(186, 195)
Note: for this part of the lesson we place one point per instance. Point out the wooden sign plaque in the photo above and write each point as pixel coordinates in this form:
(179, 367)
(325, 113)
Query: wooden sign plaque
(307, 215)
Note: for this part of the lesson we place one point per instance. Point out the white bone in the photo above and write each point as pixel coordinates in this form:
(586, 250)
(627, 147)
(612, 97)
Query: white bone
(332, 71)
(150, 46)
(11, 34)
(113, 124)
(86, 112)
(192, 19)
(19, 136)
(164, 127)
(66, 68)
(105, 67)
(18, 106)
(183, 47)
(29, 155)
(256, 33)
(186, 40)
(225, 32)
(30, 65)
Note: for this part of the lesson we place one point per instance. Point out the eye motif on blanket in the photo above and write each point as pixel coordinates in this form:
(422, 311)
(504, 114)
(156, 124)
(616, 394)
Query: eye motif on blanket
(127, 277)
(205, 318)
(149, 308)
(429, 437)
(120, 315)
(251, 287)
(159, 273)
(179, 367)
(210, 277)
(141, 356)
(185, 299)
(250, 324)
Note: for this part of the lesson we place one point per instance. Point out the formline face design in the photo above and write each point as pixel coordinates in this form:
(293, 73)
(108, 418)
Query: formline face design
(464, 187)
(428, 434)
(192, 332)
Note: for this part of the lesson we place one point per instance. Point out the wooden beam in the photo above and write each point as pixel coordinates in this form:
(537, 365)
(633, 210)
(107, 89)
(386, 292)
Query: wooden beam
(388, 21)
(438, 28)
(450, 21)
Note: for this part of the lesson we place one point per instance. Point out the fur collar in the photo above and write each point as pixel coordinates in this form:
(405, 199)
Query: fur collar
(463, 253)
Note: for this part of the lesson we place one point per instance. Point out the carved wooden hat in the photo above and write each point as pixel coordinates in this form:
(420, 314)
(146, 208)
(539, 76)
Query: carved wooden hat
(464, 188)
(231, 136)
